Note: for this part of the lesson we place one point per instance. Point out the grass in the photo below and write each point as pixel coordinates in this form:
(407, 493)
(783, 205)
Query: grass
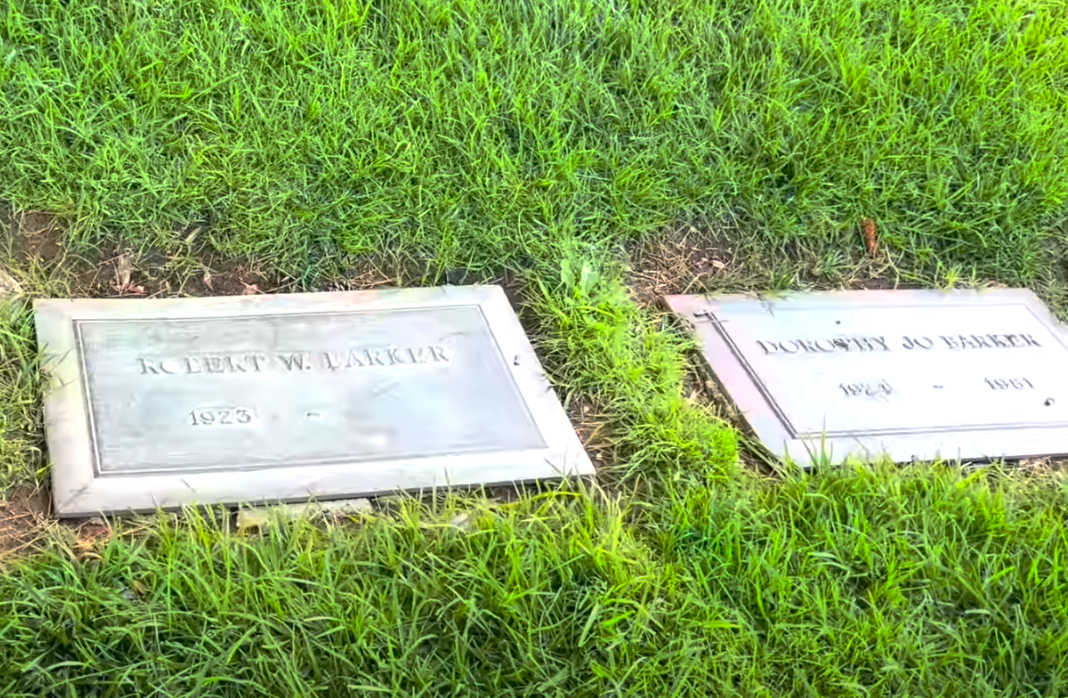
(687, 577)
(20, 419)
(545, 139)
(479, 136)
(858, 583)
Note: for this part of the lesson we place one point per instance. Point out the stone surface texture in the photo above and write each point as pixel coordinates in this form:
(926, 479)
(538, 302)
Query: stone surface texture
(964, 374)
(160, 403)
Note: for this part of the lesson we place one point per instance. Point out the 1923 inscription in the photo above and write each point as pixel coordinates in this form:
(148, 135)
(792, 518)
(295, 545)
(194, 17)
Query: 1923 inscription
(221, 417)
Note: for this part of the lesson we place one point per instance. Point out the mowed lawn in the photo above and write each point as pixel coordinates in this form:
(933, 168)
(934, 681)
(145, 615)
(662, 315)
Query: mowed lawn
(572, 149)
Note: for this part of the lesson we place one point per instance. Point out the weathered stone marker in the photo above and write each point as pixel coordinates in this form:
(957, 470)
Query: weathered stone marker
(159, 403)
(912, 374)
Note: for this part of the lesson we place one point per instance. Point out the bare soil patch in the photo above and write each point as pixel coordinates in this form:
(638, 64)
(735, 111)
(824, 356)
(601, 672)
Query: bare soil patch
(24, 519)
(592, 426)
(37, 235)
(683, 260)
(698, 258)
(35, 240)
(128, 272)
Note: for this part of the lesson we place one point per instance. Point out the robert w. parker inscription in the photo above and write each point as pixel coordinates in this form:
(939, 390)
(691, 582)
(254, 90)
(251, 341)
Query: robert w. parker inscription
(158, 403)
(296, 361)
(912, 374)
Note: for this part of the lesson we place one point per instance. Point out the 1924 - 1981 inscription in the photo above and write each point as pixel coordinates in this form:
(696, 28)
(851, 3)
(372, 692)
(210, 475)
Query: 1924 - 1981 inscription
(912, 374)
(159, 403)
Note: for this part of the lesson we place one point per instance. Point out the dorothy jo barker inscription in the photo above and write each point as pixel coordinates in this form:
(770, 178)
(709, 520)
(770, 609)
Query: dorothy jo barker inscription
(969, 375)
(159, 403)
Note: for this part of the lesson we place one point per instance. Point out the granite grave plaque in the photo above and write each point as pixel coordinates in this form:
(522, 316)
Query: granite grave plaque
(970, 375)
(158, 403)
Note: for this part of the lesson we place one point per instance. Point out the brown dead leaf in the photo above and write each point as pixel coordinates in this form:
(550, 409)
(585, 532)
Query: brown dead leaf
(123, 268)
(123, 271)
(870, 241)
(718, 265)
(207, 280)
(250, 289)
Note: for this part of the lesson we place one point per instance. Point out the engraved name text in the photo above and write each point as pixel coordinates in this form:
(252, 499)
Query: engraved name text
(957, 342)
(295, 361)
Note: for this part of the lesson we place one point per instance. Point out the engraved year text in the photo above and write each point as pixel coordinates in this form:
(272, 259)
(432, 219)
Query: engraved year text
(869, 389)
(204, 418)
(1008, 383)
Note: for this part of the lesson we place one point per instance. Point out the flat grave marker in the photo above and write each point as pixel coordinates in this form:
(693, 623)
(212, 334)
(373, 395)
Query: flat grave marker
(971, 375)
(159, 403)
